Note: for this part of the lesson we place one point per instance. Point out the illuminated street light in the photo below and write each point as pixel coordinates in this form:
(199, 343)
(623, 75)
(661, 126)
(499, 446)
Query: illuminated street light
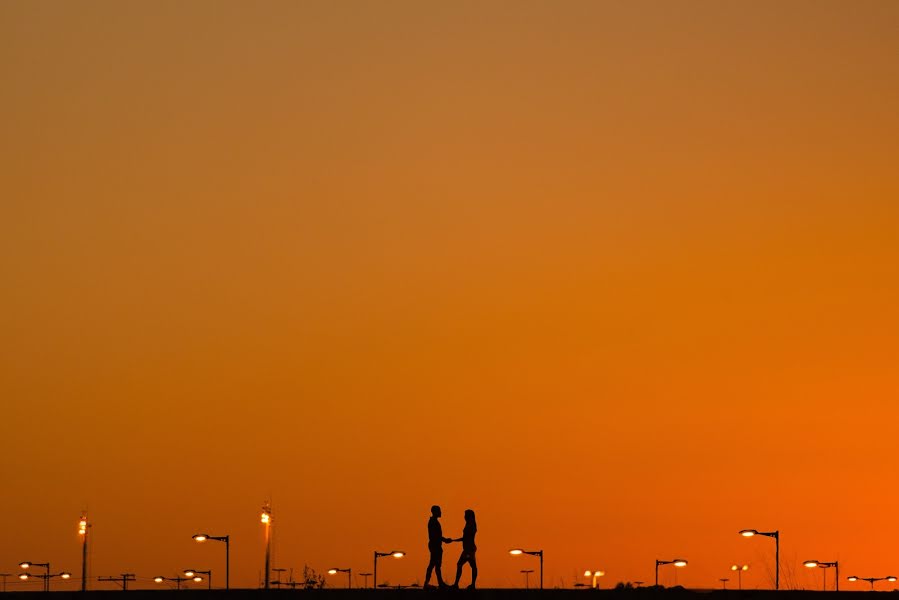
(739, 571)
(393, 553)
(349, 575)
(45, 576)
(27, 564)
(83, 525)
(812, 564)
(192, 573)
(677, 562)
(594, 575)
(266, 519)
(776, 536)
(202, 537)
(178, 580)
(519, 552)
(871, 580)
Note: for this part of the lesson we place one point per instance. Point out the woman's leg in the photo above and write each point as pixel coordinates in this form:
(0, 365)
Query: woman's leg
(474, 569)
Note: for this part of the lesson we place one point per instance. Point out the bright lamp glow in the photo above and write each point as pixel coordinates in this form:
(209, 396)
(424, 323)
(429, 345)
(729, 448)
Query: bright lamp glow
(198, 579)
(24, 576)
(65, 575)
(189, 573)
(516, 551)
(332, 571)
(158, 579)
(397, 554)
(25, 564)
(749, 532)
(201, 537)
(811, 564)
(680, 563)
(891, 578)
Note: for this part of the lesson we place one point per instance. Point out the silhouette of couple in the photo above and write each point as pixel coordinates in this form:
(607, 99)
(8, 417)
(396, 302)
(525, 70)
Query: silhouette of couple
(435, 545)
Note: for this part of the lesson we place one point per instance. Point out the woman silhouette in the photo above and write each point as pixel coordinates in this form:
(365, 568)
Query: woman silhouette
(468, 549)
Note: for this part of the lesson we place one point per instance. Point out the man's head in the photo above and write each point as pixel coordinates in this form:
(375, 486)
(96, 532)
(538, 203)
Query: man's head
(435, 511)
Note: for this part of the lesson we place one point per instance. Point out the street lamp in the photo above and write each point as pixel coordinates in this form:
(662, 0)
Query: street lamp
(594, 575)
(739, 571)
(811, 564)
(364, 577)
(724, 581)
(349, 575)
(27, 564)
(776, 536)
(83, 525)
(519, 552)
(178, 580)
(202, 537)
(46, 577)
(527, 575)
(677, 562)
(266, 519)
(192, 573)
(871, 580)
(393, 553)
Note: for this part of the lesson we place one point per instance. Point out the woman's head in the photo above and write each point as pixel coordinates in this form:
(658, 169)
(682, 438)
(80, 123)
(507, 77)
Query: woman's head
(469, 516)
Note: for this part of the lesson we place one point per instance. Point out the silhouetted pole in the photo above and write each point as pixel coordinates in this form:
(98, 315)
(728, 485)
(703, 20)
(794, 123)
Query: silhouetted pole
(776, 535)
(122, 580)
(267, 521)
(82, 531)
(365, 577)
(4, 576)
(538, 553)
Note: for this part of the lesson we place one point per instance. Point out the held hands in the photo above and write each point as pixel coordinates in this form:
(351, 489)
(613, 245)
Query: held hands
(448, 540)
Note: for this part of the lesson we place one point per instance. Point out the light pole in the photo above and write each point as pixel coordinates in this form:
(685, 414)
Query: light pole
(192, 573)
(739, 571)
(811, 564)
(776, 536)
(724, 581)
(364, 577)
(594, 574)
(27, 564)
(83, 525)
(677, 562)
(46, 577)
(349, 575)
(871, 580)
(393, 553)
(4, 576)
(527, 575)
(519, 552)
(266, 519)
(202, 537)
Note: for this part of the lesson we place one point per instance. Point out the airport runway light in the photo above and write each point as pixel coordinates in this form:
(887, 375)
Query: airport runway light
(738, 569)
(202, 537)
(194, 574)
(594, 574)
(776, 536)
(677, 562)
(813, 564)
(539, 553)
(393, 553)
(349, 575)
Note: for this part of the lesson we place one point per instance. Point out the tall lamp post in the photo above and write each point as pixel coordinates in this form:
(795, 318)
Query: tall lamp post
(266, 519)
(539, 553)
(393, 553)
(871, 580)
(776, 536)
(811, 564)
(83, 525)
(349, 575)
(677, 562)
(202, 537)
(738, 569)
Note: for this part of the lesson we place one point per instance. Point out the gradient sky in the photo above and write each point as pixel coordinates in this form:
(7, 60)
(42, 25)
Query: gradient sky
(620, 276)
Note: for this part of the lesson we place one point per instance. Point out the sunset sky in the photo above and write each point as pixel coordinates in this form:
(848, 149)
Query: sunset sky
(621, 276)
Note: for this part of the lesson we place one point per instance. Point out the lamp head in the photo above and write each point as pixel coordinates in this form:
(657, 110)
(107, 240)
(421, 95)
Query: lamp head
(397, 554)
(516, 551)
(198, 579)
(159, 579)
(201, 537)
(332, 571)
(24, 576)
(749, 532)
(891, 578)
(680, 562)
(852, 578)
(65, 575)
(811, 564)
(25, 564)
(189, 573)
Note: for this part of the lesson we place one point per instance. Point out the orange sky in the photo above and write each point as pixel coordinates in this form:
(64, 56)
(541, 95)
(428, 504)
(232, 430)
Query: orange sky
(622, 277)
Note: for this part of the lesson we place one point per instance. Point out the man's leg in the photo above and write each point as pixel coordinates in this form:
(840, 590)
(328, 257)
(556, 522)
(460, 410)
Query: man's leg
(437, 559)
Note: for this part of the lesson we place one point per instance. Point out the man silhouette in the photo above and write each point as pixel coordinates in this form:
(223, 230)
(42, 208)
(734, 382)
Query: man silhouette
(435, 546)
